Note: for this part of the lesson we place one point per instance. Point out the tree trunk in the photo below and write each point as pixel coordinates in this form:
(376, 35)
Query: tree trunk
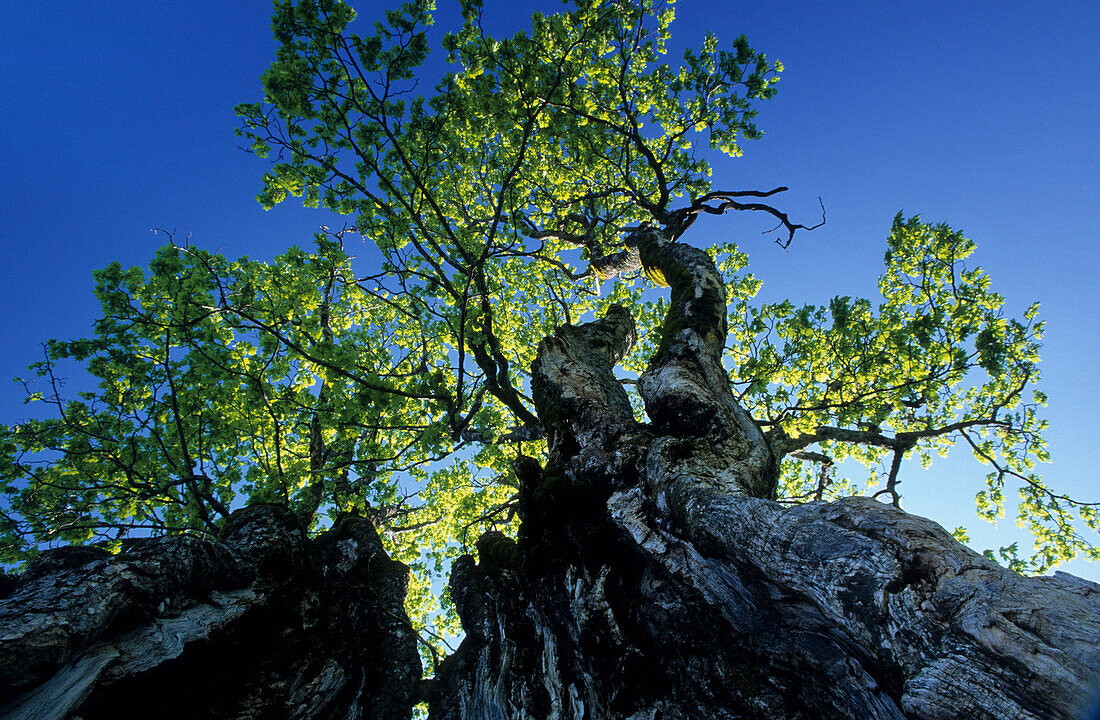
(263, 624)
(656, 577)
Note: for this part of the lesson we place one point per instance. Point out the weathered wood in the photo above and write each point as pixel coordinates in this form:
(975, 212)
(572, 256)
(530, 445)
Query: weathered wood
(653, 578)
(686, 388)
(750, 609)
(263, 623)
(574, 388)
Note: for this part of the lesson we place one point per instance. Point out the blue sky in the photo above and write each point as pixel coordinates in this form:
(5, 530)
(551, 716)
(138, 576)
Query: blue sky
(118, 118)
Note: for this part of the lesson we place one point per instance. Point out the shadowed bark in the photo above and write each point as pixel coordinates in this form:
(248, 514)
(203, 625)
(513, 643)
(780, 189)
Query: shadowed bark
(263, 623)
(655, 578)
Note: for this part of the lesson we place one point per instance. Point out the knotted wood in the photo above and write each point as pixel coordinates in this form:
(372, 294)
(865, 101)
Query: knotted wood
(654, 576)
(263, 624)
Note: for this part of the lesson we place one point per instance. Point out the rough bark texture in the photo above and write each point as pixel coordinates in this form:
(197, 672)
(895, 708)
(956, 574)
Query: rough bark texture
(702, 431)
(744, 608)
(655, 578)
(261, 624)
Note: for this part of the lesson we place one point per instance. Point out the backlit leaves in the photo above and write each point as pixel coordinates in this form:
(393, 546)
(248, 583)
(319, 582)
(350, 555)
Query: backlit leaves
(396, 386)
(935, 364)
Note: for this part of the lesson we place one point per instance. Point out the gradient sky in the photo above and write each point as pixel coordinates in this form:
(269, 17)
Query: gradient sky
(118, 118)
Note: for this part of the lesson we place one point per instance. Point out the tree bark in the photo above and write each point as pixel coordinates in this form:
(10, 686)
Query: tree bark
(263, 624)
(655, 577)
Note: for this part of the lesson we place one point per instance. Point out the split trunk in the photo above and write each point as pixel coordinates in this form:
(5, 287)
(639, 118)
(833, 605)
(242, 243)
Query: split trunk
(654, 576)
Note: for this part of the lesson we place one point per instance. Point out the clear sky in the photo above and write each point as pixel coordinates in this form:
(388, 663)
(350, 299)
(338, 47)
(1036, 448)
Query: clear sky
(118, 118)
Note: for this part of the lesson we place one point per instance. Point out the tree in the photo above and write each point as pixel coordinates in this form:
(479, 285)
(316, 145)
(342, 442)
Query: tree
(543, 166)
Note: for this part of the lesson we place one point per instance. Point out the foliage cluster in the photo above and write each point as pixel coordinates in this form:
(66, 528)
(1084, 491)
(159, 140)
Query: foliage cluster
(495, 209)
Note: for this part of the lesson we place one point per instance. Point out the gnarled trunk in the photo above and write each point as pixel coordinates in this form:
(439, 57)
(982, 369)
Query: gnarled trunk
(263, 624)
(655, 577)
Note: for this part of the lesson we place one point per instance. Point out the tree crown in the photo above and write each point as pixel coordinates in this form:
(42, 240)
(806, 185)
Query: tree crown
(496, 208)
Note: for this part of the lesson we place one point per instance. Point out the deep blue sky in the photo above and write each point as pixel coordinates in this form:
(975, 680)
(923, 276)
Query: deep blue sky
(118, 118)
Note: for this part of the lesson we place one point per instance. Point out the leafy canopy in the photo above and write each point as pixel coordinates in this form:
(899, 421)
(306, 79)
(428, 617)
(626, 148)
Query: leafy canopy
(494, 209)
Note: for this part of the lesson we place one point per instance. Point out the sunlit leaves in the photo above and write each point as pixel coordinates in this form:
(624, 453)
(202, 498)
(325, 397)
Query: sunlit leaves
(387, 388)
(211, 378)
(935, 364)
(484, 198)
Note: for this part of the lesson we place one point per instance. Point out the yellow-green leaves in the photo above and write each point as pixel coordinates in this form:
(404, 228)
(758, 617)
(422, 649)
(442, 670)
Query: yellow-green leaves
(221, 382)
(936, 363)
(391, 388)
